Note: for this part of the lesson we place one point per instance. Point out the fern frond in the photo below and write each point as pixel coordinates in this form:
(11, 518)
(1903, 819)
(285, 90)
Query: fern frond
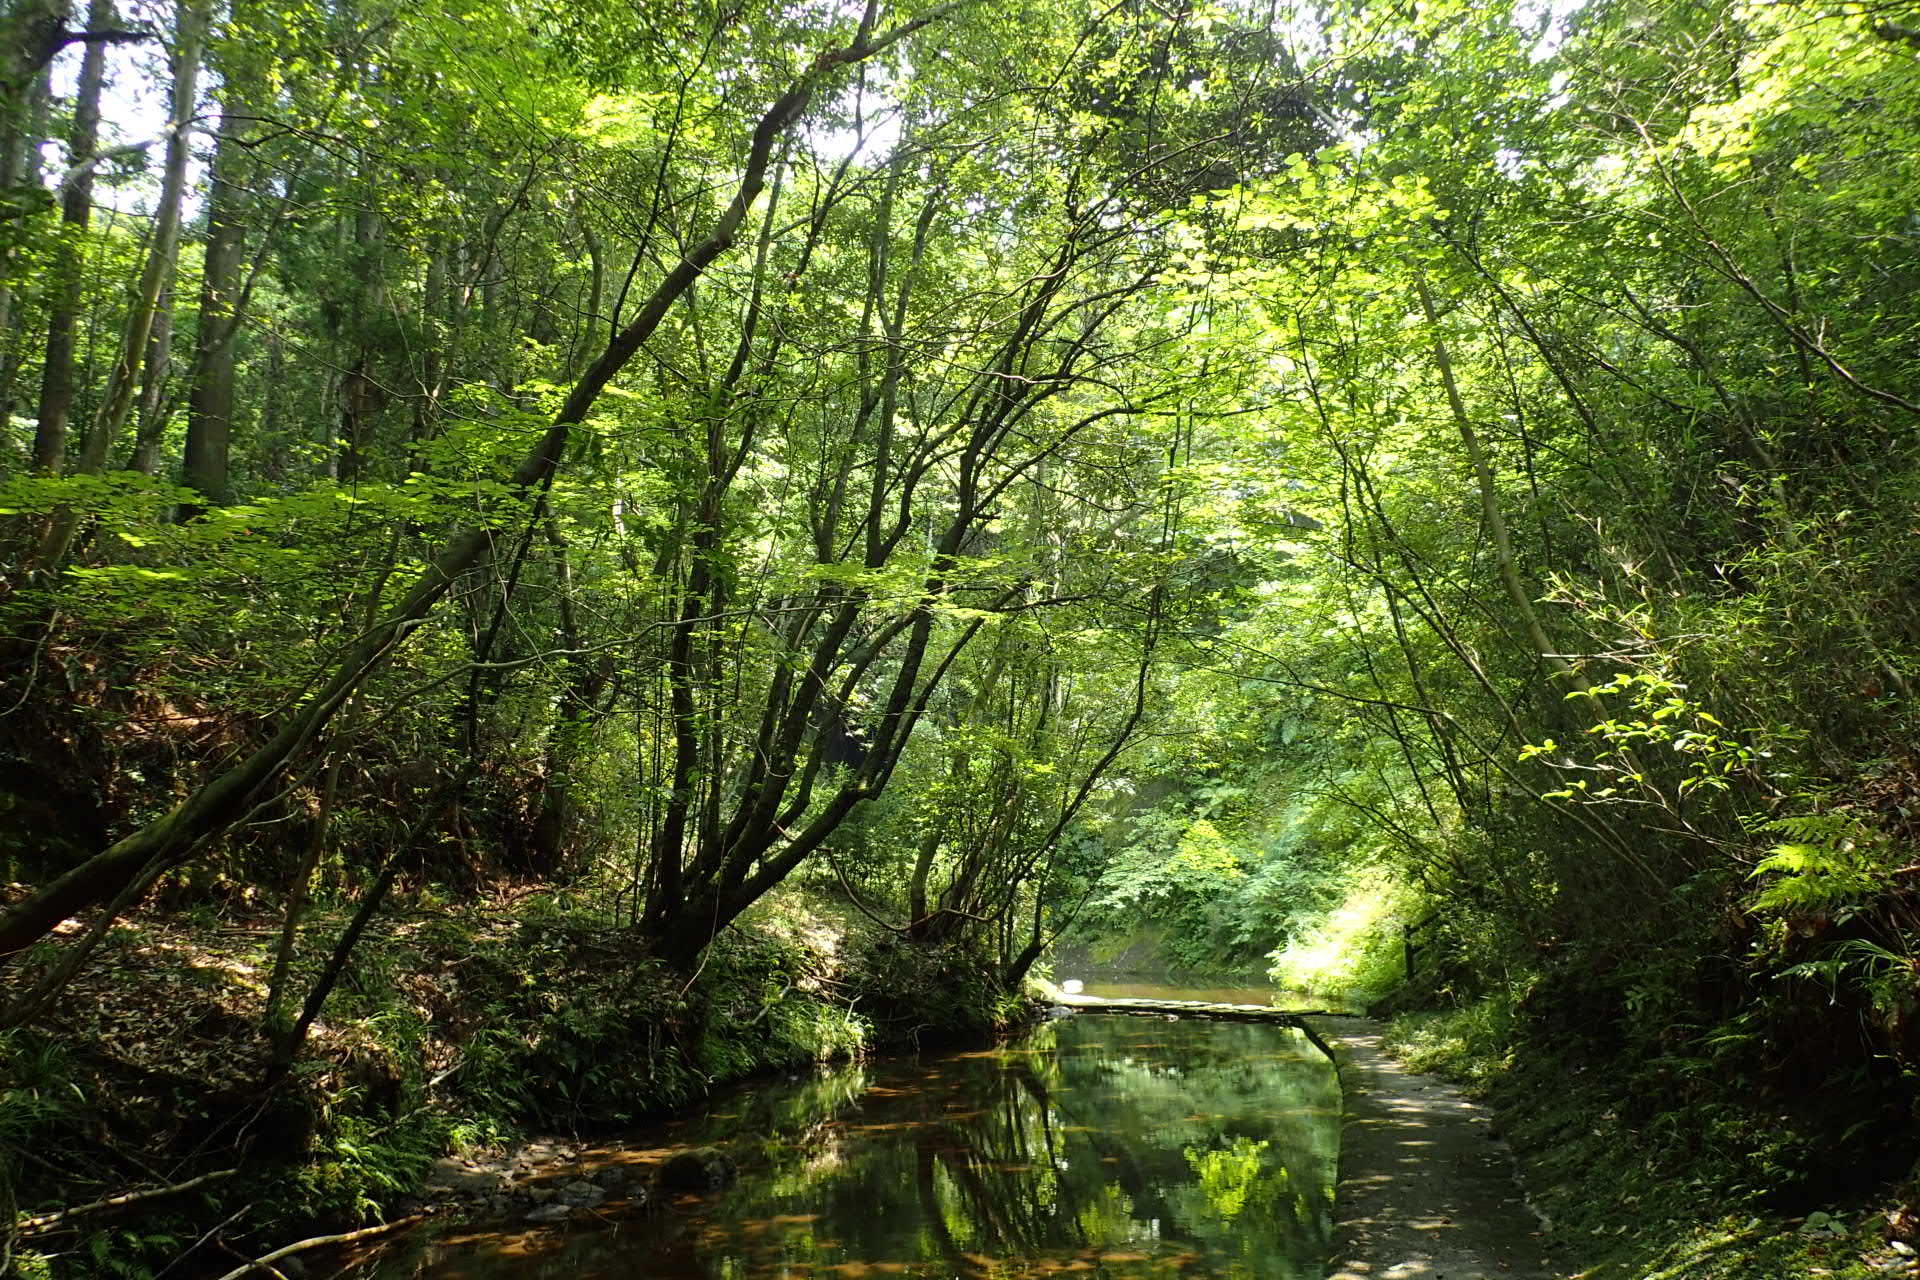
(1832, 828)
(1793, 859)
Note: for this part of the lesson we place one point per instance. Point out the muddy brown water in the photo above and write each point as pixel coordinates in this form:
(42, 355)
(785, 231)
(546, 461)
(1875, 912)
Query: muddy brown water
(1102, 1145)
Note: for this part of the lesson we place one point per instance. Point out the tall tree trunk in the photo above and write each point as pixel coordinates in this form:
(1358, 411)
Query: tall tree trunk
(587, 677)
(76, 211)
(115, 406)
(362, 392)
(31, 32)
(429, 397)
(204, 465)
(20, 193)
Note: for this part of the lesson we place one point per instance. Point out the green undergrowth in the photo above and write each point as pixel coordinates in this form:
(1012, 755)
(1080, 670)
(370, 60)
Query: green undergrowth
(1711, 1191)
(456, 1029)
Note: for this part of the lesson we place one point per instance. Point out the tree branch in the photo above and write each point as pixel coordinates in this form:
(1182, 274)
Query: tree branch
(66, 38)
(47, 1221)
(266, 1260)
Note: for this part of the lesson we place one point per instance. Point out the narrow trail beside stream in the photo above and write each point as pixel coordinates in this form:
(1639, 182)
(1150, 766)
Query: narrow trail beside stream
(1426, 1191)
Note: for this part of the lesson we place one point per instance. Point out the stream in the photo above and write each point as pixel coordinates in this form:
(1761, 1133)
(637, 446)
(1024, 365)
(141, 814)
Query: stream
(1102, 1144)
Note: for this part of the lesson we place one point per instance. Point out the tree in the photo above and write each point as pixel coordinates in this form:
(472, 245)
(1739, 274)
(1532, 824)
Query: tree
(139, 858)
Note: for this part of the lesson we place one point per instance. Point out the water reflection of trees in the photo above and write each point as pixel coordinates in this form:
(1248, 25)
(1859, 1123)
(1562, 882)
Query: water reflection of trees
(1002, 1168)
(1092, 1151)
(1104, 1147)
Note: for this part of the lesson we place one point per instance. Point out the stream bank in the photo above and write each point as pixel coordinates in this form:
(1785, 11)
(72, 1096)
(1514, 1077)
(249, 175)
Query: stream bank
(457, 1031)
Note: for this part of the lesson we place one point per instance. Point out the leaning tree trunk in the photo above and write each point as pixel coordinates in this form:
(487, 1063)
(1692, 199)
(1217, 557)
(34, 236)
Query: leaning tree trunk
(1491, 516)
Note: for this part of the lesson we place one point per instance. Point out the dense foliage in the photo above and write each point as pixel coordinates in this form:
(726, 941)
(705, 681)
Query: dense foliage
(1420, 498)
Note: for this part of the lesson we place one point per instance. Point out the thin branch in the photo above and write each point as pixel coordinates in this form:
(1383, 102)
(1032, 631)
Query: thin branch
(48, 1221)
(125, 149)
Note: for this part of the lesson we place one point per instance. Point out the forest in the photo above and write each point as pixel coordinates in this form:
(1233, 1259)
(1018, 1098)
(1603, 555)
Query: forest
(555, 555)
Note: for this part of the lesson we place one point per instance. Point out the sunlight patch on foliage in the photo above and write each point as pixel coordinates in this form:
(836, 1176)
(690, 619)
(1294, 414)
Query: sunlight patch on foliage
(1353, 953)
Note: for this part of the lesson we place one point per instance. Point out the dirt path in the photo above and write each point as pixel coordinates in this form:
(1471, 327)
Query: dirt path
(1426, 1193)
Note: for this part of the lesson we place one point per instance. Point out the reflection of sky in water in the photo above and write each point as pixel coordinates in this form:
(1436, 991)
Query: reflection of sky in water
(1104, 1146)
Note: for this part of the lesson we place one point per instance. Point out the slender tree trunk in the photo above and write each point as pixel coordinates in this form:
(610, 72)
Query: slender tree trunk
(278, 1020)
(428, 402)
(76, 211)
(362, 395)
(922, 921)
(1048, 847)
(117, 403)
(152, 422)
(287, 1042)
(19, 195)
(1494, 520)
(574, 720)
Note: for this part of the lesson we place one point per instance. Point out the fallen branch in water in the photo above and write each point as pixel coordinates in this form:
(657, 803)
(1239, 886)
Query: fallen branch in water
(1208, 1009)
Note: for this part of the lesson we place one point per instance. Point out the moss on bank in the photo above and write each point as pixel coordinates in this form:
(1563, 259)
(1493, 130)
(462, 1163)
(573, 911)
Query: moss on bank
(456, 1028)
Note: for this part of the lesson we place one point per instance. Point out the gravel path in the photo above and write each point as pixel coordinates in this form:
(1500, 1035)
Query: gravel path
(1426, 1192)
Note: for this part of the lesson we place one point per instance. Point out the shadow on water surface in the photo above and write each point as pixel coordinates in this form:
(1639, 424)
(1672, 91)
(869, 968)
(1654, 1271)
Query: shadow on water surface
(1098, 1145)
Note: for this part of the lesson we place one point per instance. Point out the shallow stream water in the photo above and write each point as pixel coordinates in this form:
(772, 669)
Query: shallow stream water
(1100, 1144)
